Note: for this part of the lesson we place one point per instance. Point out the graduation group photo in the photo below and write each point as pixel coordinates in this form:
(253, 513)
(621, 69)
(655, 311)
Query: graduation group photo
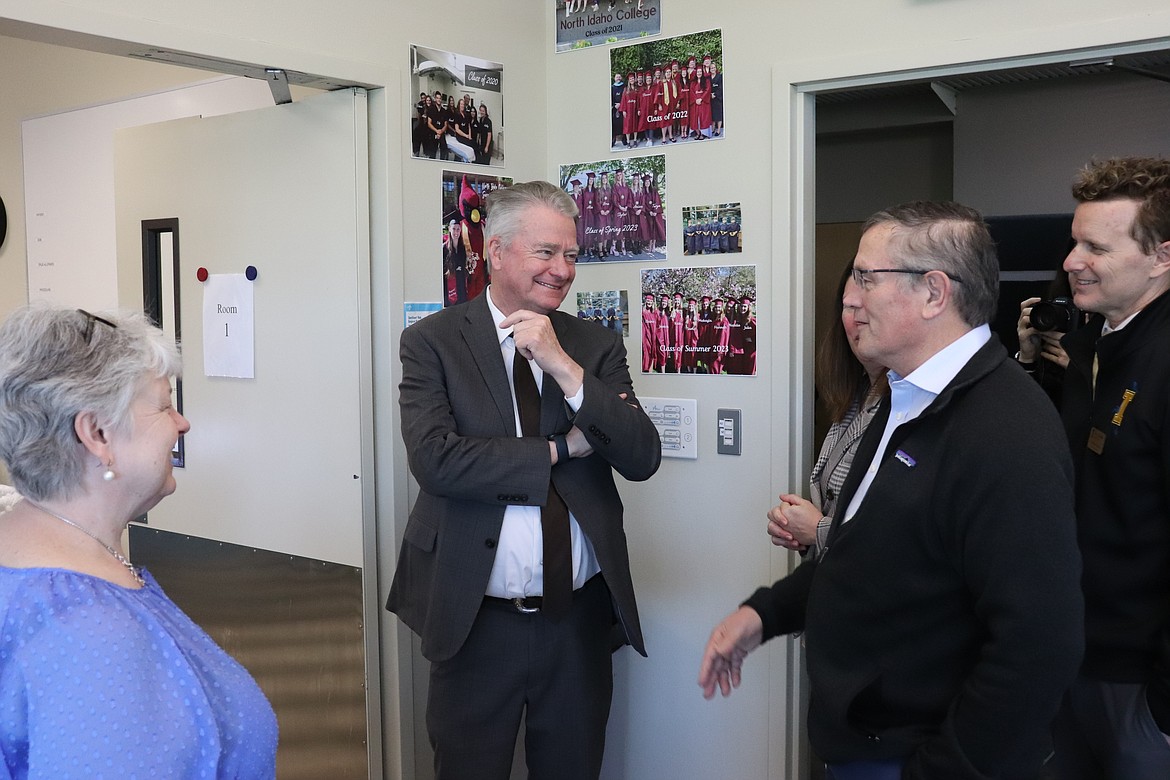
(667, 91)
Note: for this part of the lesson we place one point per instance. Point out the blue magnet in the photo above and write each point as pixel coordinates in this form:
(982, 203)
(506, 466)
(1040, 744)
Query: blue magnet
(250, 272)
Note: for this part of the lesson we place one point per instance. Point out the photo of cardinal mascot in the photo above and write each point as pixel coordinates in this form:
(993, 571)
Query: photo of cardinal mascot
(471, 240)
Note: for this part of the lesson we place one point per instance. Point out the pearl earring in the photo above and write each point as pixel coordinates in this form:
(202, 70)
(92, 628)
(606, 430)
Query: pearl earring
(109, 475)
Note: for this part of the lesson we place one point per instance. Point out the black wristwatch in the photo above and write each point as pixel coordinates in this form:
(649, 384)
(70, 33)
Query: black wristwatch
(562, 445)
(1027, 365)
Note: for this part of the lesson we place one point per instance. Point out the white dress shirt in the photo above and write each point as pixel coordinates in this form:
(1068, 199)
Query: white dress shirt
(518, 569)
(1106, 330)
(910, 395)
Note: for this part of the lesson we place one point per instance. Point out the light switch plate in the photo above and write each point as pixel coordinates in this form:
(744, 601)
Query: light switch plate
(730, 440)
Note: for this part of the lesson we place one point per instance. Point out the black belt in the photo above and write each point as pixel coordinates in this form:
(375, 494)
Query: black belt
(527, 605)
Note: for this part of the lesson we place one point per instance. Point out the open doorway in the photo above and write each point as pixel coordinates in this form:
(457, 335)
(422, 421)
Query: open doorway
(96, 77)
(52, 74)
(1005, 141)
(1004, 136)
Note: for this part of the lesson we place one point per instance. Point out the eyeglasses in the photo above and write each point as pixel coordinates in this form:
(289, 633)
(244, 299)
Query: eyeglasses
(863, 277)
(90, 319)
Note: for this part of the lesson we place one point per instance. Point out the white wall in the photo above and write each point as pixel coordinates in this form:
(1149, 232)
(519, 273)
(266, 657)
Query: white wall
(697, 529)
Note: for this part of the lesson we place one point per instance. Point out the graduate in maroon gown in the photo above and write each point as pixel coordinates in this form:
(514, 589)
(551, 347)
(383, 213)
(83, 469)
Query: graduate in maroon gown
(693, 85)
(747, 365)
(630, 111)
(657, 220)
(645, 107)
(577, 193)
(706, 331)
(720, 333)
(604, 218)
(734, 338)
(454, 275)
(638, 215)
(622, 203)
(662, 330)
(588, 216)
(690, 341)
(677, 336)
(663, 345)
(664, 102)
(649, 334)
(701, 97)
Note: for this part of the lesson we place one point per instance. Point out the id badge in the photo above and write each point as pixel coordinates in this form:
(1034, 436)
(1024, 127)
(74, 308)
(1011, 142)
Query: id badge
(1096, 440)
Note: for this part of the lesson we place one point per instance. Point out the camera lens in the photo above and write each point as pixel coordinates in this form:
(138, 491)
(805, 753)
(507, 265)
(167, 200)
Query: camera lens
(1058, 314)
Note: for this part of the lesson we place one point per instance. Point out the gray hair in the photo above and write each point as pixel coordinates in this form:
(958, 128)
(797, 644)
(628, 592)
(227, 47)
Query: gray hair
(951, 238)
(50, 372)
(506, 206)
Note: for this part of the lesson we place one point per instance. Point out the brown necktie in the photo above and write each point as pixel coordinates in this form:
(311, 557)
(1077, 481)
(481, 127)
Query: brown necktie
(554, 515)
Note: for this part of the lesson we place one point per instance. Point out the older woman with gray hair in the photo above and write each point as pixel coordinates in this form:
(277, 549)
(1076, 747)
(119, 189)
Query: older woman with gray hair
(101, 675)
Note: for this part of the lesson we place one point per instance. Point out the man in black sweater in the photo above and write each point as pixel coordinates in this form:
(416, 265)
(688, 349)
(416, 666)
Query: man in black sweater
(944, 619)
(1115, 402)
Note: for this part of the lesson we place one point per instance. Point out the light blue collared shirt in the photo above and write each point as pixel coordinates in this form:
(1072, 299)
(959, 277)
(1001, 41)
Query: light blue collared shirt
(910, 395)
(519, 569)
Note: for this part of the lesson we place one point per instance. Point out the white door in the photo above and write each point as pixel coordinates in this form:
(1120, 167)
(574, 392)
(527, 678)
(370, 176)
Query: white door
(281, 462)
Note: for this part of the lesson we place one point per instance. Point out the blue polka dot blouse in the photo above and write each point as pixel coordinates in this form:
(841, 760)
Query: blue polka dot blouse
(101, 681)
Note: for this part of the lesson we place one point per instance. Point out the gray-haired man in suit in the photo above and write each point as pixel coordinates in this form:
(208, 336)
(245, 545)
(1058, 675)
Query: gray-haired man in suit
(514, 626)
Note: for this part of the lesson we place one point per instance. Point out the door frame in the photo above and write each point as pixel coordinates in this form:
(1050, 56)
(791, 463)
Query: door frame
(794, 90)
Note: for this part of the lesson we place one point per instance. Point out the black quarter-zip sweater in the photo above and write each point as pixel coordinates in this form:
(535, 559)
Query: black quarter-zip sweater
(945, 620)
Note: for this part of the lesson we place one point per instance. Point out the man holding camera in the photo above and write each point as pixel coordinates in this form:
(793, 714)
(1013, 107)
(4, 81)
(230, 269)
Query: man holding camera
(1115, 402)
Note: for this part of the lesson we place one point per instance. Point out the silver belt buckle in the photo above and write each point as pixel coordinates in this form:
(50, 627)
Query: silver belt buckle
(518, 603)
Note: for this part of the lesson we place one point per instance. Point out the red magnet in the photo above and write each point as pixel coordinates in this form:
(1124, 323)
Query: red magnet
(201, 274)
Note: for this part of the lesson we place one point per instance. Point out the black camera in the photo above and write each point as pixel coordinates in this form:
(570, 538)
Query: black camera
(1058, 314)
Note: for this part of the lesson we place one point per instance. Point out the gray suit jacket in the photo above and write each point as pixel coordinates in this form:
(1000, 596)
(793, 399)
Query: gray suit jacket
(460, 434)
